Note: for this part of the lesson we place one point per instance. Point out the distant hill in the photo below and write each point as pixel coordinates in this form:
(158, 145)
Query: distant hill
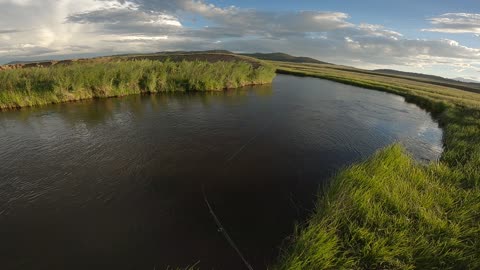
(209, 56)
(283, 57)
(262, 56)
(27, 62)
(411, 74)
(460, 79)
(195, 52)
(431, 79)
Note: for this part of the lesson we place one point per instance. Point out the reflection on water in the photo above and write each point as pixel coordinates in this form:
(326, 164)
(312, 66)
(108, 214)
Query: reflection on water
(116, 183)
(99, 111)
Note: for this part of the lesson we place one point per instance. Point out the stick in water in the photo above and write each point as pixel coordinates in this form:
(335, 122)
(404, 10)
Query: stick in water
(224, 232)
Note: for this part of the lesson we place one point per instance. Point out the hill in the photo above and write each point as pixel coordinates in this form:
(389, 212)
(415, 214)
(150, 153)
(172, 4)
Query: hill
(176, 56)
(431, 78)
(283, 57)
(27, 62)
(461, 79)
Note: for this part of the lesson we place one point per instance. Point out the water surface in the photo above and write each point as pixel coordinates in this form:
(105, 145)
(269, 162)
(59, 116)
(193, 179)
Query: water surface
(117, 183)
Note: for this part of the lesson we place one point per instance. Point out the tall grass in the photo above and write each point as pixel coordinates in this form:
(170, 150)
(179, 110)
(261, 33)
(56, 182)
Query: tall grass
(61, 83)
(390, 212)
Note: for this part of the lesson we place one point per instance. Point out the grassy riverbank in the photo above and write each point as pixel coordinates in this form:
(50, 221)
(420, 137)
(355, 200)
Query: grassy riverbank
(390, 212)
(84, 80)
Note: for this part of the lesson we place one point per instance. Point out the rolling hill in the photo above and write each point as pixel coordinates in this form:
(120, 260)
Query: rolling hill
(283, 57)
(431, 78)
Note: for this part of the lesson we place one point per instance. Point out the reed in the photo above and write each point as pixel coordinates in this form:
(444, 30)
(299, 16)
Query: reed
(77, 81)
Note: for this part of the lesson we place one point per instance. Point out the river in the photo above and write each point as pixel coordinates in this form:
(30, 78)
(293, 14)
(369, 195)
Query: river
(117, 183)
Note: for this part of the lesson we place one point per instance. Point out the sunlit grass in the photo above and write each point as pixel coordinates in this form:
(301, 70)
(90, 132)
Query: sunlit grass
(84, 80)
(391, 212)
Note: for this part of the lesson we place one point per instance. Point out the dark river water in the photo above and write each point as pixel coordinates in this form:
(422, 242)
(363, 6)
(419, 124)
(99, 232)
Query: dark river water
(117, 183)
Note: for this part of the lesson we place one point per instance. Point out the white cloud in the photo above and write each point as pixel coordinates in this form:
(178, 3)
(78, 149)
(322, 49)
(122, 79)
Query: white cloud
(139, 38)
(127, 13)
(44, 29)
(16, 2)
(207, 10)
(455, 23)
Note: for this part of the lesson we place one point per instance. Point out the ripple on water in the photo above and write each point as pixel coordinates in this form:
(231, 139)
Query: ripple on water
(116, 184)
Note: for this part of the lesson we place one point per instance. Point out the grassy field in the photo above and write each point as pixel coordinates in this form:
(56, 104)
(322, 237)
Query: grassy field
(72, 81)
(390, 212)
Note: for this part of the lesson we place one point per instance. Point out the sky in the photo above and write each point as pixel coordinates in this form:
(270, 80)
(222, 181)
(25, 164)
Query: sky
(440, 37)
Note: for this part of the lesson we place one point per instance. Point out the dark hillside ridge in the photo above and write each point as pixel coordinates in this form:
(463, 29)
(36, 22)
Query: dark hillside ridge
(460, 79)
(27, 62)
(430, 78)
(196, 52)
(423, 78)
(173, 53)
(208, 56)
(284, 58)
(178, 56)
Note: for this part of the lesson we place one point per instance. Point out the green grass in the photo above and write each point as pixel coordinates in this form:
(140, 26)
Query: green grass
(391, 212)
(85, 80)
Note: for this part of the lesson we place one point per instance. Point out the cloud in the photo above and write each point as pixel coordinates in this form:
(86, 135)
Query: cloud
(323, 34)
(9, 31)
(50, 28)
(26, 50)
(41, 23)
(455, 23)
(227, 22)
(125, 13)
(208, 10)
(270, 23)
(127, 19)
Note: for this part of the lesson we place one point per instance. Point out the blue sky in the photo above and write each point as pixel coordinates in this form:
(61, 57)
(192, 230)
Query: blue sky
(406, 16)
(437, 37)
